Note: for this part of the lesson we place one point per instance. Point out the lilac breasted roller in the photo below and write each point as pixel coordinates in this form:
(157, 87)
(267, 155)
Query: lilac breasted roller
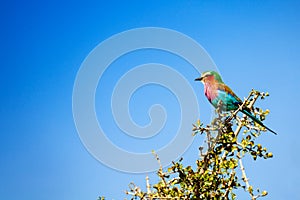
(216, 90)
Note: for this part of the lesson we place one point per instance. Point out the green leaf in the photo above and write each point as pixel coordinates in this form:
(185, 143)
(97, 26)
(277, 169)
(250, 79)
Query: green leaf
(264, 193)
(250, 189)
(270, 155)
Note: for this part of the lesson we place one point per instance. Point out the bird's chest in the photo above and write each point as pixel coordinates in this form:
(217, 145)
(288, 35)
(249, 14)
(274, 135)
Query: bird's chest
(211, 92)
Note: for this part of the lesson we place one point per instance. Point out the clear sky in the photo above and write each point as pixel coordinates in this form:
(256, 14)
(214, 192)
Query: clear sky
(255, 44)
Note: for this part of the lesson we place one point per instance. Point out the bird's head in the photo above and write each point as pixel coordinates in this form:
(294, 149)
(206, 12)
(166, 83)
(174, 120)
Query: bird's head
(209, 76)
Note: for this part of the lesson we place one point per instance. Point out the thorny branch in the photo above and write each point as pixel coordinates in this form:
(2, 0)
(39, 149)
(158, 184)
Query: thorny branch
(216, 175)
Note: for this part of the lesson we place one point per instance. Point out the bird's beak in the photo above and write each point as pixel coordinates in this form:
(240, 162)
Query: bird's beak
(199, 79)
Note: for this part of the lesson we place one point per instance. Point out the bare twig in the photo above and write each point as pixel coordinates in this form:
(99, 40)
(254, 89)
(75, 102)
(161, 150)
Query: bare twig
(148, 185)
(160, 171)
(244, 177)
(232, 175)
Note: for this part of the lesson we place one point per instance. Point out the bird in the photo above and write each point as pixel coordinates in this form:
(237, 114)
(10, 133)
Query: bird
(217, 91)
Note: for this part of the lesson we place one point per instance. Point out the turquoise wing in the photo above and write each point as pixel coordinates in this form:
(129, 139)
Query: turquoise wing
(229, 99)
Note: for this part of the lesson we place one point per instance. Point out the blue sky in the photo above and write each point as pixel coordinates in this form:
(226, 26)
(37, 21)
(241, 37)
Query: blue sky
(255, 44)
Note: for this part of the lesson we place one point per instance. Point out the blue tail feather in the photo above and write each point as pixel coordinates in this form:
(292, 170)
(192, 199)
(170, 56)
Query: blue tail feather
(249, 114)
